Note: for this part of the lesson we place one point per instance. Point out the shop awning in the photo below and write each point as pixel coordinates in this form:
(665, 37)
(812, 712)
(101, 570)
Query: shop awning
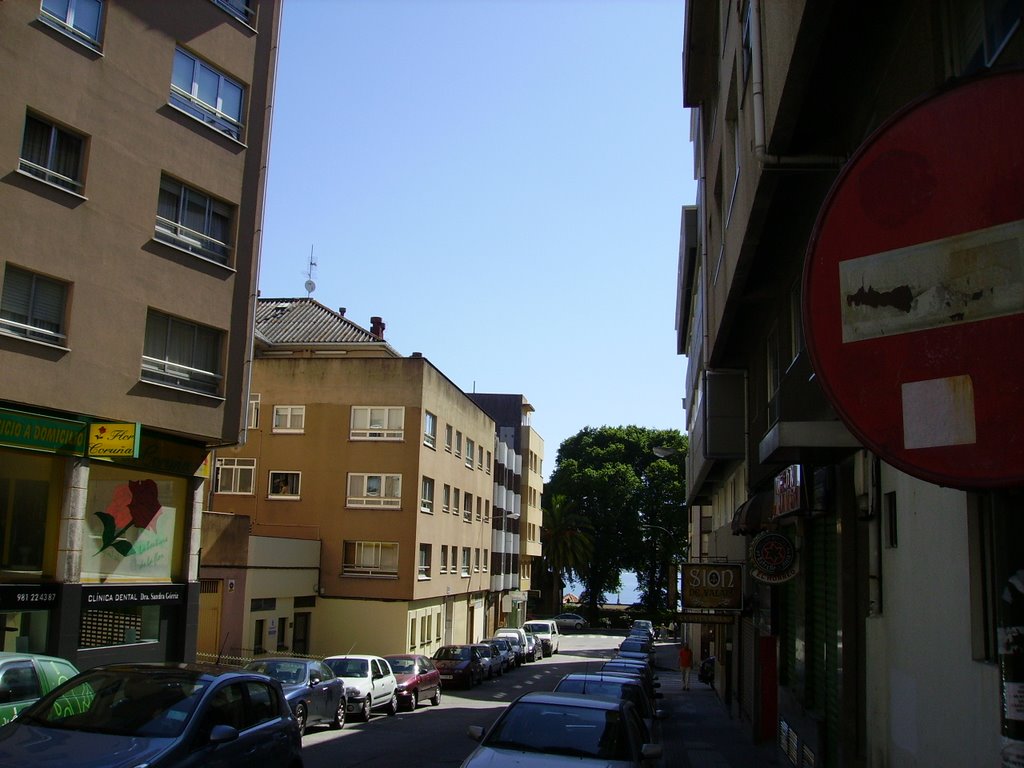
(753, 515)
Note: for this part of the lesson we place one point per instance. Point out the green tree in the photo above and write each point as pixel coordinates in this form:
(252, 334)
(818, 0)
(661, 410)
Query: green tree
(612, 477)
(567, 544)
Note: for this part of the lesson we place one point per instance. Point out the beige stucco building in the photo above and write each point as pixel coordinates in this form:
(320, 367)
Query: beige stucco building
(134, 138)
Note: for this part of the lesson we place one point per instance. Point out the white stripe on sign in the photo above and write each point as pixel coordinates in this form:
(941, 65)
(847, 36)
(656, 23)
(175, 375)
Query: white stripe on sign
(938, 412)
(960, 279)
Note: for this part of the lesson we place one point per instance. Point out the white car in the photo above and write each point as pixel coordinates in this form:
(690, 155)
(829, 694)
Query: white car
(369, 683)
(547, 632)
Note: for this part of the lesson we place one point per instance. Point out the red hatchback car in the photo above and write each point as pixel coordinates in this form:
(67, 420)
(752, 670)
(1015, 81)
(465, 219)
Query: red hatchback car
(417, 678)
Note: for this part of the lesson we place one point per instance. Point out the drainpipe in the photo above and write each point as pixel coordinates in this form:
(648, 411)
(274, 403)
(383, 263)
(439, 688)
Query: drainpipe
(775, 162)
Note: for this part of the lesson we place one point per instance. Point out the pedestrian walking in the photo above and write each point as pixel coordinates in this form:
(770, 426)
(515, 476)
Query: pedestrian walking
(685, 664)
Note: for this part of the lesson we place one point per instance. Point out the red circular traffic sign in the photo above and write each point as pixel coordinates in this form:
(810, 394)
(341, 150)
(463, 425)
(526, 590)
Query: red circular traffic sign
(914, 287)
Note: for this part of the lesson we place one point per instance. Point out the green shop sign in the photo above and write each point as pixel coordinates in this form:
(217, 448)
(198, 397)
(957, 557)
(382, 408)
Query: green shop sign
(43, 433)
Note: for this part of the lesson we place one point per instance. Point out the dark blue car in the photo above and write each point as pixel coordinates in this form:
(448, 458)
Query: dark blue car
(157, 715)
(314, 693)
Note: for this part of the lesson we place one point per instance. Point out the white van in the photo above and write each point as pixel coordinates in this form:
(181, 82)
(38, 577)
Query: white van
(517, 636)
(547, 632)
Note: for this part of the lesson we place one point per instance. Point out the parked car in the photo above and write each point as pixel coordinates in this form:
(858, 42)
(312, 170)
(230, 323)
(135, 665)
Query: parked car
(546, 729)
(24, 677)
(158, 715)
(636, 645)
(631, 666)
(645, 626)
(547, 632)
(534, 650)
(417, 678)
(508, 655)
(313, 692)
(570, 621)
(617, 686)
(494, 665)
(369, 683)
(459, 665)
(517, 639)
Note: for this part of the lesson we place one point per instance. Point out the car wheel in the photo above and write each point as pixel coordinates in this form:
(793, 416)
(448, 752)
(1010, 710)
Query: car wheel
(414, 701)
(579, 625)
(392, 708)
(300, 717)
(338, 721)
(436, 698)
(364, 714)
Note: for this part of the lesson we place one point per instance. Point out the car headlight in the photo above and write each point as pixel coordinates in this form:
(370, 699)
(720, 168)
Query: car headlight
(351, 690)
(401, 686)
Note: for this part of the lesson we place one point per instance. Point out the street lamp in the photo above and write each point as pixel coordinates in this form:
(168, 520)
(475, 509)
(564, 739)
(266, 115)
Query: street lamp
(672, 579)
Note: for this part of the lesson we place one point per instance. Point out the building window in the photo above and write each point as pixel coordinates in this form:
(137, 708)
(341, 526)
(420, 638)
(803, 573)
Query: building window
(289, 418)
(429, 429)
(458, 443)
(370, 558)
(487, 465)
(377, 423)
(446, 498)
(467, 507)
(285, 485)
(427, 495)
(465, 561)
(424, 567)
(374, 491)
(412, 633)
(235, 476)
(32, 306)
(479, 507)
(437, 626)
(480, 457)
(52, 154)
(253, 417)
(444, 558)
(181, 354)
(456, 501)
(476, 560)
(238, 8)
(485, 561)
(487, 510)
(448, 437)
(205, 93)
(78, 18)
(470, 452)
(192, 221)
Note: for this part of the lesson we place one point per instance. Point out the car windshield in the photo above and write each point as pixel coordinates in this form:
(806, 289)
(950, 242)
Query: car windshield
(536, 628)
(151, 703)
(634, 645)
(453, 653)
(349, 667)
(558, 729)
(288, 672)
(402, 666)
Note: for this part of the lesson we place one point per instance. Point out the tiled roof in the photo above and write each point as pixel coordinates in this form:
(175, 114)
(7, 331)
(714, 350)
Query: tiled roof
(306, 321)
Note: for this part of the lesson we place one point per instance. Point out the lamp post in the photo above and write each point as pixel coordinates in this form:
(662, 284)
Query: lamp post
(672, 570)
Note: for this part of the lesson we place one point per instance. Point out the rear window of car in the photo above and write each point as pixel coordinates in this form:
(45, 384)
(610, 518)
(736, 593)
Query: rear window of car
(537, 627)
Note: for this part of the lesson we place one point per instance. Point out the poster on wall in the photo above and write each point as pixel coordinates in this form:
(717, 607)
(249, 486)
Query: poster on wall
(129, 530)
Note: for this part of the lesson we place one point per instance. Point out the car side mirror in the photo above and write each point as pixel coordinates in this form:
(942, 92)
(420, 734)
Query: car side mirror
(222, 734)
(314, 679)
(659, 714)
(475, 732)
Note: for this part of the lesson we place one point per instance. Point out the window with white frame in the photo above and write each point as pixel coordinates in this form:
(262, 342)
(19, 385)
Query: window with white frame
(465, 561)
(427, 495)
(374, 491)
(476, 560)
(240, 9)
(370, 558)
(78, 18)
(446, 498)
(456, 501)
(444, 558)
(377, 422)
(181, 354)
(32, 306)
(467, 507)
(487, 466)
(285, 485)
(235, 476)
(289, 418)
(253, 415)
(423, 571)
(448, 432)
(429, 429)
(193, 221)
(52, 154)
(484, 566)
(479, 457)
(458, 443)
(204, 92)
(470, 452)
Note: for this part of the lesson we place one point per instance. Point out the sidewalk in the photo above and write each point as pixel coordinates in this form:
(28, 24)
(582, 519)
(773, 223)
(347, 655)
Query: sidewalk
(697, 729)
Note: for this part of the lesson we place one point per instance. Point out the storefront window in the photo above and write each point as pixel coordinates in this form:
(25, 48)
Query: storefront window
(25, 631)
(103, 627)
(29, 493)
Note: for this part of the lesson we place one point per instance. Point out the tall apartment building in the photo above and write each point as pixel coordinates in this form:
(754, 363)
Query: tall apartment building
(873, 633)
(135, 139)
(518, 517)
(366, 483)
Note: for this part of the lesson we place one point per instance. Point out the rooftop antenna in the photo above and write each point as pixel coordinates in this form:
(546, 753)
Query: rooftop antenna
(310, 269)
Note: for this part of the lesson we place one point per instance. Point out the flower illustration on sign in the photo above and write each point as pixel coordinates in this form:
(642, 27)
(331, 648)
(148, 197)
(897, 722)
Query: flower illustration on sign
(133, 505)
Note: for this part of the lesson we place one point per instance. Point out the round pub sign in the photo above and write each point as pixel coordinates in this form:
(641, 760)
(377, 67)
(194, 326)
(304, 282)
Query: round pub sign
(914, 287)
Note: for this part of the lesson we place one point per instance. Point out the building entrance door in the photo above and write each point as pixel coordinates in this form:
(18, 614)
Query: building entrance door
(300, 634)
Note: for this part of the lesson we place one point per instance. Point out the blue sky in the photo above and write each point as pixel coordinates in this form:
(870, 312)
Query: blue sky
(501, 182)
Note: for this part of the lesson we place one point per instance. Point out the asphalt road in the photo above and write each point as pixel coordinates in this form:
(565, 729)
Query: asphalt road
(436, 736)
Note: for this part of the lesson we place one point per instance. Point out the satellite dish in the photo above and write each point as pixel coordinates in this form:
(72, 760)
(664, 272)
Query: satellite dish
(310, 286)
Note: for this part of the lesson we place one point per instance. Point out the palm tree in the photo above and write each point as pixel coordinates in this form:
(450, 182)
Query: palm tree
(567, 544)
